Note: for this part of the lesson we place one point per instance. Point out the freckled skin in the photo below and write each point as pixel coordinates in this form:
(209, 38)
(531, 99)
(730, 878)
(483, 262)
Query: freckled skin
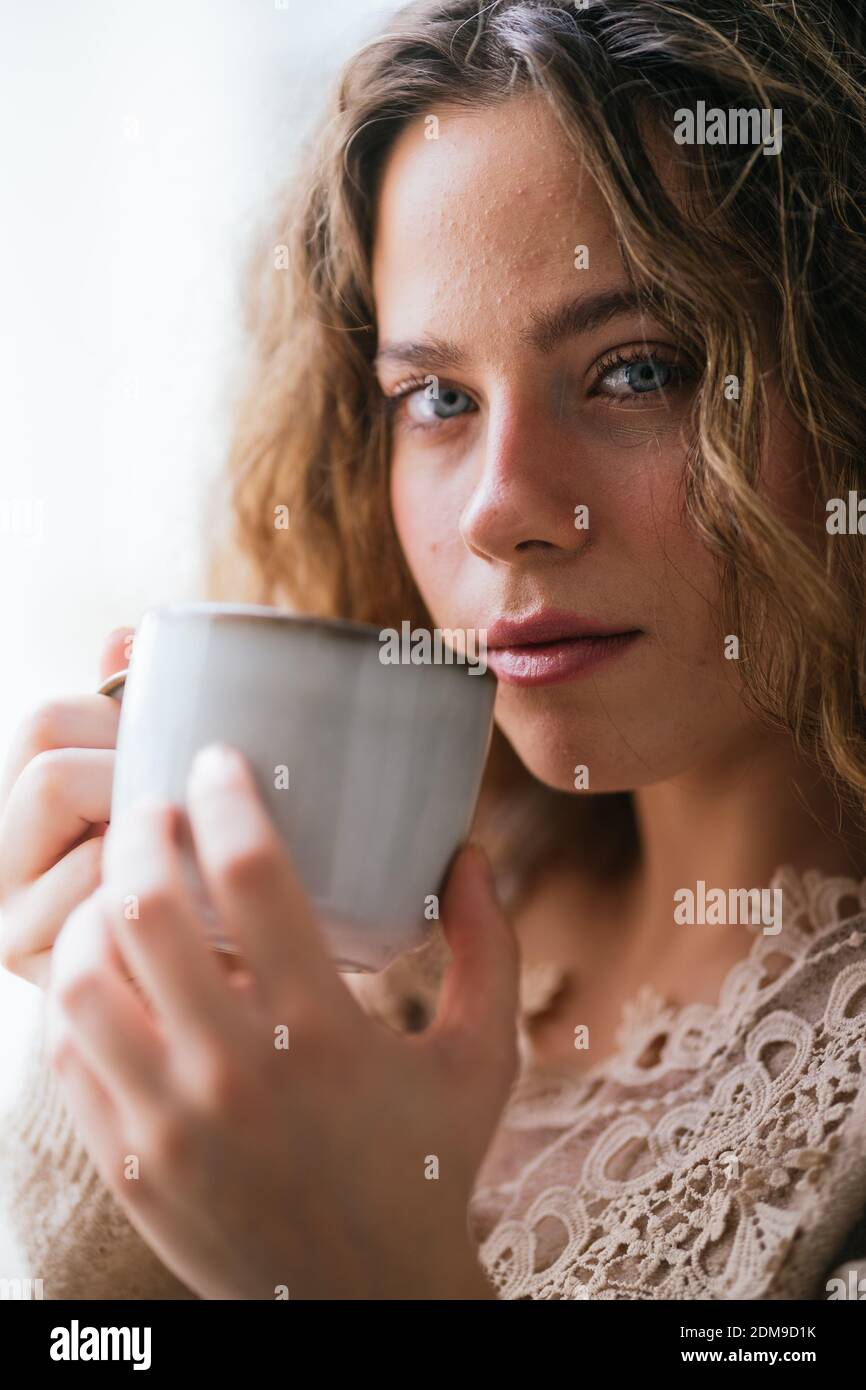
(474, 231)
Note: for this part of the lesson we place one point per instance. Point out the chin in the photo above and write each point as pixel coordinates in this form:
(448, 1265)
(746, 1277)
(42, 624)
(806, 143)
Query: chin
(550, 775)
(553, 747)
(557, 728)
(556, 769)
(549, 754)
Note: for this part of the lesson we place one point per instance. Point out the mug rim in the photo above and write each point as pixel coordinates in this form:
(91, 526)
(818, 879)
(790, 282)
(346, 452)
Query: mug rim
(256, 612)
(260, 612)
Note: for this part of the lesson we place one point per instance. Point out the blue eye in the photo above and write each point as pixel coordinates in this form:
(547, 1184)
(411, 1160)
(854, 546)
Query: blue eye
(648, 375)
(448, 402)
(625, 376)
(425, 406)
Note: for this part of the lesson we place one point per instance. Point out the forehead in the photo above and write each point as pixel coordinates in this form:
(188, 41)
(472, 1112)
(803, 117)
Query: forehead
(491, 210)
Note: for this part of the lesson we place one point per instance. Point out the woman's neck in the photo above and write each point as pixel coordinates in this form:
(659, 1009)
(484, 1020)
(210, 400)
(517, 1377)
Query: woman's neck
(730, 826)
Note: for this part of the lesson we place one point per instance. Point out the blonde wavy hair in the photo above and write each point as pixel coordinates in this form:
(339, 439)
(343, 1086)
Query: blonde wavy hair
(312, 435)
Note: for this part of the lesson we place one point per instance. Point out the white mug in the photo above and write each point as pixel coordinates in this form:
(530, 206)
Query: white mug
(370, 770)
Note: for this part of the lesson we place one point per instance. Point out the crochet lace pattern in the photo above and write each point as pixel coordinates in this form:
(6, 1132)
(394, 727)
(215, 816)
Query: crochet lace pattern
(729, 1168)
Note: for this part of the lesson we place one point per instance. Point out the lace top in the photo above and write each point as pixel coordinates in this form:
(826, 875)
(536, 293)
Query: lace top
(733, 1167)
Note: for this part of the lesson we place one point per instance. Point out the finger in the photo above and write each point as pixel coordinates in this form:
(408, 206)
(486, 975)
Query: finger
(116, 651)
(92, 1111)
(87, 721)
(254, 887)
(234, 971)
(479, 997)
(158, 930)
(107, 1021)
(59, 796)
(33, 916)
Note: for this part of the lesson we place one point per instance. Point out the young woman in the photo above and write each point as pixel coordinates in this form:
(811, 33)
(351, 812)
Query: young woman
(567, 348)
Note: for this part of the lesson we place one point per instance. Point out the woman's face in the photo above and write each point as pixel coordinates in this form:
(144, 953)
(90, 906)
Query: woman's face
(549, 400)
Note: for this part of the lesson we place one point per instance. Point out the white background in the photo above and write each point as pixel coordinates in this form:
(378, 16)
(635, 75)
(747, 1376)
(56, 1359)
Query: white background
(140, 147)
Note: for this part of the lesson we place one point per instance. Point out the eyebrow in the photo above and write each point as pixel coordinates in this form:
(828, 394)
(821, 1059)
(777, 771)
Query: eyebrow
(548, 328)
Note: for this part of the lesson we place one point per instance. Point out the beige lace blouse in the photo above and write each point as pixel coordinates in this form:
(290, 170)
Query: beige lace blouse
(732, 1167)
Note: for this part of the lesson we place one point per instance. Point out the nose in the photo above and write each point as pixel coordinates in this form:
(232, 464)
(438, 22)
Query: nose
(523, 505)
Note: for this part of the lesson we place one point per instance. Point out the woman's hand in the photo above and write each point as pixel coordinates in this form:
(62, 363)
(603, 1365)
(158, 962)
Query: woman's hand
(56, 796)
(263, 1134)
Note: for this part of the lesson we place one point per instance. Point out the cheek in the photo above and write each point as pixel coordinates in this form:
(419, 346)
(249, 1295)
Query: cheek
(640, 511)
(407, 499)
(674, 575)
(427, 525)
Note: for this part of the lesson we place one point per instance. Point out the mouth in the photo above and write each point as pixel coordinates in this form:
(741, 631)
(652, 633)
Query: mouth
(550, 647)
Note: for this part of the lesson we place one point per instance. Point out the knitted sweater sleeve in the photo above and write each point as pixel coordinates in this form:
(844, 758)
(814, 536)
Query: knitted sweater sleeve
(70, 1229)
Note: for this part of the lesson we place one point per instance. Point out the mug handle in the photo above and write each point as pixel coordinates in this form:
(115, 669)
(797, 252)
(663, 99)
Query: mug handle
(113, 686)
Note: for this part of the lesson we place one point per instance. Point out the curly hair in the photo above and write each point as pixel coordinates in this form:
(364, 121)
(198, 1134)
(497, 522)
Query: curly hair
(312, 437)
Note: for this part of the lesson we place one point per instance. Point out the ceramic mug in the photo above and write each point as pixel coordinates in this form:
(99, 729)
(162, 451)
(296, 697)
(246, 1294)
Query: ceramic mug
(370, 769)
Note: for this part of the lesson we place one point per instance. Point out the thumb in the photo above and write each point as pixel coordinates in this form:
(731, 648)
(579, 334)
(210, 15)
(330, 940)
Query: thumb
(115, 651)
(479, 996)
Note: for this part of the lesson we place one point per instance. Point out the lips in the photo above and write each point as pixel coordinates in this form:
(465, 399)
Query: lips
(550, 646)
